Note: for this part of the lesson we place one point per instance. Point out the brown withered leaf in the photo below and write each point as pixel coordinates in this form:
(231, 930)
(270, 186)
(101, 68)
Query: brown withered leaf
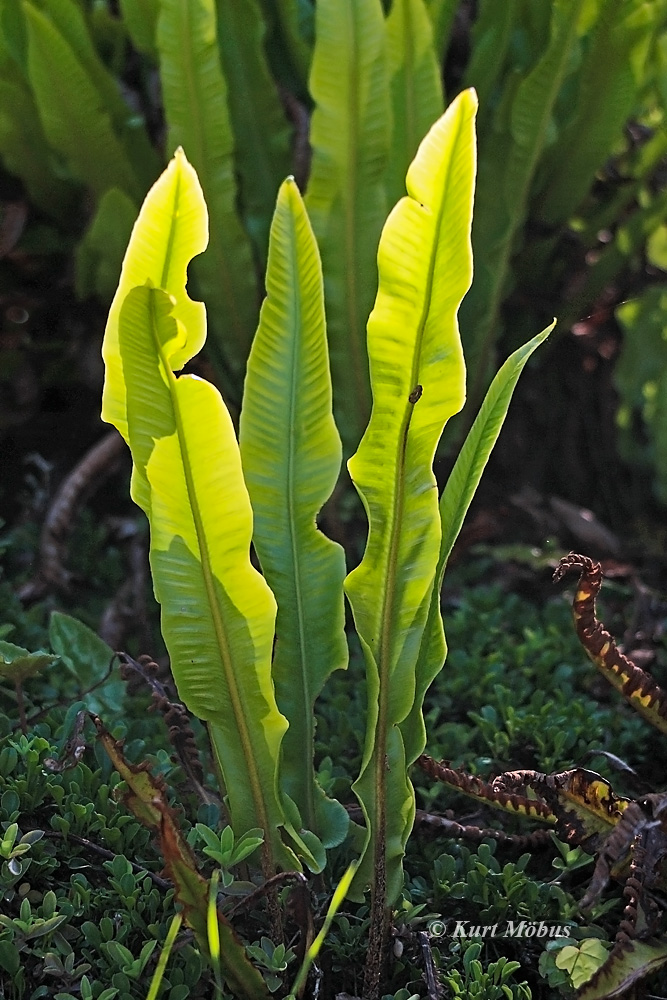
(146, 797)
(488, 793)
(636, 685)
(450, 828)
(644, 815)
(627, 964)
(585, 805)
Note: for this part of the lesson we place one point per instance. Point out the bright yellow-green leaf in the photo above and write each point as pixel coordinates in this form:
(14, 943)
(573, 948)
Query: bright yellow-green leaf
(454, 503)
(582, 961)
(217, 610)
(418, 381)
(315, 948)
(172, 228)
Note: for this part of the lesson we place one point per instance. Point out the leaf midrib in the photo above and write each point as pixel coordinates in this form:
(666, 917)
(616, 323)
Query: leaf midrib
(351, 206)
(388, 613)
(307, 720)
(207, 572)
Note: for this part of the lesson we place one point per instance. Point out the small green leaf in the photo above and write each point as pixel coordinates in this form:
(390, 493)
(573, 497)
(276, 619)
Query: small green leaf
(227, 840)
(212, 839)
(120, 954)
(582, 961)
(43, 927)
(89, 659)
(10, 959)
(17, 663)
(248, 843)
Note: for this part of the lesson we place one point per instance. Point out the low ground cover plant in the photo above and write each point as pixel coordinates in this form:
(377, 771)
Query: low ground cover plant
(492, 635)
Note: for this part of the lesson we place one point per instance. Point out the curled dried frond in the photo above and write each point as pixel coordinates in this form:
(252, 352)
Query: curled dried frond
(585, 805)
(636, 952)
(483, 791)
(450, 828)
(645, 816)
(145, 670)
(636, 685)
(641, 915)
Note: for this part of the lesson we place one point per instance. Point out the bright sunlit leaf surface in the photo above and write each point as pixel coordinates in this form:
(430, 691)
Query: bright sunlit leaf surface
(217, 610)
(418, 382)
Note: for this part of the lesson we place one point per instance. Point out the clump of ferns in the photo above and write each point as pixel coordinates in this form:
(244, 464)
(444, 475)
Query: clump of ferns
(627, 837)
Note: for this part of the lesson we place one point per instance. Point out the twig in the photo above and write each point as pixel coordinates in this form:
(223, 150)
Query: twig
(23, 722)
(96, 465)
(128, 604)
(430, 974)
(108, 855)
(266, 888)
(67, 701)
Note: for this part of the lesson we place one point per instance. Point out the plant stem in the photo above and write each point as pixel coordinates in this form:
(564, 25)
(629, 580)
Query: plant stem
(23, 722)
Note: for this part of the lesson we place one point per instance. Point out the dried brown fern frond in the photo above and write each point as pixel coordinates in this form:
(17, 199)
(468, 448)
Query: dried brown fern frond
(144, 671)
(636, 685)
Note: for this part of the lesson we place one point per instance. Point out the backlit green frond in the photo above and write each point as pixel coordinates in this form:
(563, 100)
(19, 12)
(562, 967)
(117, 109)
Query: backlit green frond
(418, 380)
(291, 455)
